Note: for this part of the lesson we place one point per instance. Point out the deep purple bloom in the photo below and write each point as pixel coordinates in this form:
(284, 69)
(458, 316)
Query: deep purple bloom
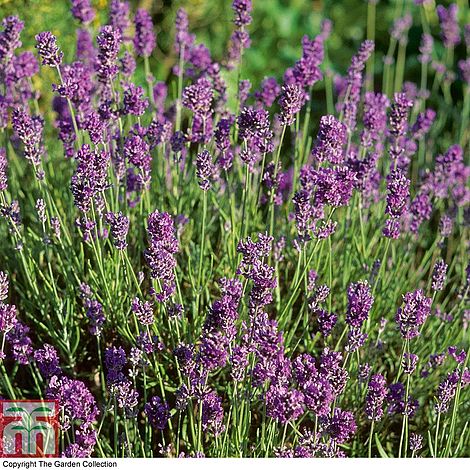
(198, 97)
(360, 302)
(20, 342)
(446, 391)
(356, 339)
(10, 37)
(375, 118)
(341, 426)
(423, 123)
(29, 130)
(94, 313)
(284, 404)
(242, 9)
(416, 442)
(398, 190)
(143, 311)
(47, 361)
(145, 39)
(318, 395)
(416, 308)
(77, 404)
(158, 413)
(159, 255)
(212, 414)
(109, 43)
(48, 50)
(204, 170)
(83, 11)
(439, 275)
(134, 101)
(409, 363)
(376, 394)
(128, 64)
(7, 317)
(119, 227)
(90, 177)
(330, 141)
(291, 102)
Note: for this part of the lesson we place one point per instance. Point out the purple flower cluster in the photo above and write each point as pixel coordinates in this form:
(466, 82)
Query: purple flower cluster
(160, 253)
(416, 308)
(144, 40)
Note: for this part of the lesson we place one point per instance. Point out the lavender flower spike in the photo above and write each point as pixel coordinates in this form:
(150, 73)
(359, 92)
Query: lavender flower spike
(48, 50)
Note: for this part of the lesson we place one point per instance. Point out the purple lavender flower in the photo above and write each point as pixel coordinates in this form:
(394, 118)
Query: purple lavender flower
(134, 102)
(144, 40)
(446, 391)
(183, 40)
(48, 50)
(416, 442)
(360, 302)
(284, 404)
(3, 169)
(7, 316)
(47, 361)
(439, 275)
(128, 64)
(119, 227)
(400, 28)
(212, 414)
(423, 123)
(10, 37)
(356, 339)
(242, 9)
(204, 170)
(143, 311)
(416, 308)
(330, 141)
(90, 177)
(450, 32)
(77, 404)
(109, 43)
(291, 102)
(341, 426)
(119, 16)
(464, 67)
(425, 49)
(29, 131)
(354, 84)
(20, 342)
(83, 11)
(318, 395)
(409, 363)
(198, 97)
(397, 197)
(375, 118)
(376, 394)
(159, 255)
(268, 92)
(95, 315)
(326, 321)
(4, 286)
(85, 49)
(158, 413)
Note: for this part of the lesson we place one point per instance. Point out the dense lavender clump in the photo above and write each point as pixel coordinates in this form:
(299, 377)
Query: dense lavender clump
(199, 259)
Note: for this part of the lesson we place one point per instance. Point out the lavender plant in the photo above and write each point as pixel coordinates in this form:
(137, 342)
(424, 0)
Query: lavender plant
(195, 265)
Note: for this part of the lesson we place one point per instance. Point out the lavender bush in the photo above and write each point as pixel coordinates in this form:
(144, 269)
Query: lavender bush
(194, 265)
